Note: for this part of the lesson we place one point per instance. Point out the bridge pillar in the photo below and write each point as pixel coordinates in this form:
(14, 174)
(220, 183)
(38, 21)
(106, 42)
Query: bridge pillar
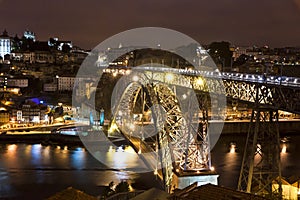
(184, 179)
(261, 160)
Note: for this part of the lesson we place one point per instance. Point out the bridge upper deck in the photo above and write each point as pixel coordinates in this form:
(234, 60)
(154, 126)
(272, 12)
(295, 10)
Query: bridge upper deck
(276, 92)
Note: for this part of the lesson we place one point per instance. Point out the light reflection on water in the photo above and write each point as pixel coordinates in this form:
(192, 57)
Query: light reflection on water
(36, 153)
(25, 166)
(78, 158)
(33, 156)
(120, 158)
(228, 161)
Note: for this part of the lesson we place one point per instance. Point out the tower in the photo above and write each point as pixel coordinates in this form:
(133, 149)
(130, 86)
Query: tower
(261, 161)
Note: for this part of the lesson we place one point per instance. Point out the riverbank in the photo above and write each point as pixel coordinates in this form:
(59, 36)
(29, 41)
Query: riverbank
(54, 139)
(230, 127)
(242, 126)
(40, 138)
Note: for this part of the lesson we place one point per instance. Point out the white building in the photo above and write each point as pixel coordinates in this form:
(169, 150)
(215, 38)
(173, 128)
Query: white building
(62, 43)
(26, 56)
(85, 86)
(50, 87)
(13, 82)
(65, 83)
(29, 35)
(21, 83)
(56, 42)
(29, 57)
(5, 44)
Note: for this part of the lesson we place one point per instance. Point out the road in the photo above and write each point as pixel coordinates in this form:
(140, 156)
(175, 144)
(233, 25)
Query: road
(38, 129)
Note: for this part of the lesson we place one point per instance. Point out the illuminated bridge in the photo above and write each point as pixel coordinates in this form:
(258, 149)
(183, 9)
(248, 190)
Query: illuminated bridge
(155, 109)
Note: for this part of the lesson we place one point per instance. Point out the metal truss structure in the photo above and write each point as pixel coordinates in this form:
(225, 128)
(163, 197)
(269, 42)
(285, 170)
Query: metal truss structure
(276, 97)
(180, 142)
(261, 160)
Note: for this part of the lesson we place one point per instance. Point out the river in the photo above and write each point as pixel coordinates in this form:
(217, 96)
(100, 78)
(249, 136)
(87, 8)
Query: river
(36, 171)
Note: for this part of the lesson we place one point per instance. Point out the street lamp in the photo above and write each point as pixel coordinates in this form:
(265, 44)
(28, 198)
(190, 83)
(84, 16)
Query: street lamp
(199, 81)
(131, 129)
(169, 77)
(135, 78)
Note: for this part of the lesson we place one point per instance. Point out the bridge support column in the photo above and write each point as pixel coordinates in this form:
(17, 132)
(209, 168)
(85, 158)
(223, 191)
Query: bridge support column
(261, 161)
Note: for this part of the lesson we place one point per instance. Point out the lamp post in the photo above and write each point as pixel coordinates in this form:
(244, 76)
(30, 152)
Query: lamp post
(56, 81)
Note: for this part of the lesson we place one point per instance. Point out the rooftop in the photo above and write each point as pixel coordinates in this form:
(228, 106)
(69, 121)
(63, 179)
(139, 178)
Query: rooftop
(212, 192)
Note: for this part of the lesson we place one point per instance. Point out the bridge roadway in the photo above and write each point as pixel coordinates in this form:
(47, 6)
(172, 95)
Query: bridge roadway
(254, 78)
(275, 92)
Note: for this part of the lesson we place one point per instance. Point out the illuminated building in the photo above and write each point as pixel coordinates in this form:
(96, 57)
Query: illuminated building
(66, 83)
(5, 44)
(13, 82)
(4, 116)
(29, 35)
(55, 42)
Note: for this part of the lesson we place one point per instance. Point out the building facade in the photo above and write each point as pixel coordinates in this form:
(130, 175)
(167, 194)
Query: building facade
(29, 35)
(65, 83)
(20, 82)
(5, 44)
(4, 116)
(50, 87)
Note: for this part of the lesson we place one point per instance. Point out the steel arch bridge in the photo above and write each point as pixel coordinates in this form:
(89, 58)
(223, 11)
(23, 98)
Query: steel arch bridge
(175, 138)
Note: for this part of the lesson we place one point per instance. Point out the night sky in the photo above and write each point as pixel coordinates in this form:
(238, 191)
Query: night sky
(87, 23)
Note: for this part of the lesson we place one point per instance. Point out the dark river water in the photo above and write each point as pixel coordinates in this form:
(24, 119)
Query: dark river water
(34, 171)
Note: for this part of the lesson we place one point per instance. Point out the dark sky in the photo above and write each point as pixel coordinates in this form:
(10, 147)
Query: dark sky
(88, 22)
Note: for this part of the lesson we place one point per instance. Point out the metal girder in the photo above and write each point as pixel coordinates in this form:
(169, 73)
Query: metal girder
(189, 144)
(261, 161)
(182, 143)
(278, 97)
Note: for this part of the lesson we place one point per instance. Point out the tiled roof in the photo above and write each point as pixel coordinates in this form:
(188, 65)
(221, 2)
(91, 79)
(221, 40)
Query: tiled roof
(214, 192)
(152, 194)
(71, 194)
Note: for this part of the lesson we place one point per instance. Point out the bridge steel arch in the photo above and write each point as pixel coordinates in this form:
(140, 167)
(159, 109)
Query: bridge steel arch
(174, 139)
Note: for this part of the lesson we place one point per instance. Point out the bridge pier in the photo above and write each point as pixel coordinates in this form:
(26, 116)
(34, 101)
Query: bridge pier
(184, 179)
(261, 160)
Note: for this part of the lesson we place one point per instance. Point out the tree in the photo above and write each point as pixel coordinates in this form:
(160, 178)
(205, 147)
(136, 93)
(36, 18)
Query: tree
(27, 44)
(109, 190)
(122, 187)
(16, 44)
(220, 52)
(242, 59)
(7, 57)
(53, 42)
(66, 48)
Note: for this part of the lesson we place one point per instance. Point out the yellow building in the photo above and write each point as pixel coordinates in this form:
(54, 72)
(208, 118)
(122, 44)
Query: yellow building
(289, 191)
(4, 116)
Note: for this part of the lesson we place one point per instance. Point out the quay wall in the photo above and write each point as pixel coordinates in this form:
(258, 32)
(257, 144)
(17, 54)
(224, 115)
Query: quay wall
(241, 127)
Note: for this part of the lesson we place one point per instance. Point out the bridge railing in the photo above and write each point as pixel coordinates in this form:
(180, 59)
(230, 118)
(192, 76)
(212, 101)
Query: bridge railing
(279, 92)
